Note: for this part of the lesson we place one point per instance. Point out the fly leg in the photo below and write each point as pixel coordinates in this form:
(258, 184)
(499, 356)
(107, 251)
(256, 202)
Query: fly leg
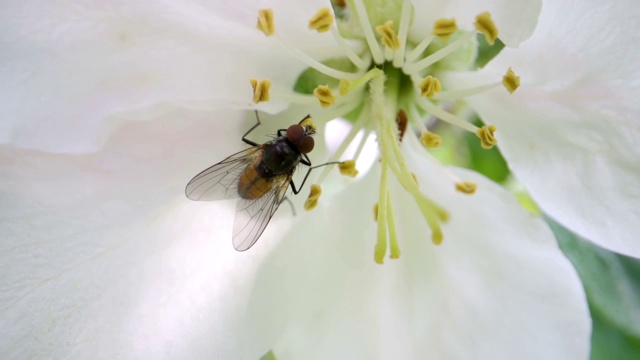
(244, 137)
(293, 208)
(307, 162)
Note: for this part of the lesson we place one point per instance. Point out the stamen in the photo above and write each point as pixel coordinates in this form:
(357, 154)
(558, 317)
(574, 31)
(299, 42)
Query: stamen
(466, 187)
(313, 63)
(388, 35)
(510, 81)
(346, 86)
(393, 235)
(365, 24)
(309, 124)
(344, 105)
(443, 169)
(343, 146)
(260, 90)
(405, 20)
(348, 51)
(348, 168)
(438, 55)
(361, 144)
(294, 97)
(375, 212)
(429, 87)
(417, 118)
(462, 93)
(322, 20)
(265, 22)
(418, 50)
(444, 28)
(485, 25)
(487, 139)
(314, 195)
(324, 94)
(430, 140)
(389, 39)
(445, 116)
(266, 25)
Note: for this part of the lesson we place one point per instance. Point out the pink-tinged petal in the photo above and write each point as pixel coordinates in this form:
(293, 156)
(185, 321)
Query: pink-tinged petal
(570, 132)
(499, 273)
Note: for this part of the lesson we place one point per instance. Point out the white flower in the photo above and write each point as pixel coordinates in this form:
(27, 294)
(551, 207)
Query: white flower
(106, 258)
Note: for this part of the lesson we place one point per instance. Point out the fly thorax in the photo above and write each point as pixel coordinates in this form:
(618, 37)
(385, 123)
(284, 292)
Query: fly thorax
(280, 157)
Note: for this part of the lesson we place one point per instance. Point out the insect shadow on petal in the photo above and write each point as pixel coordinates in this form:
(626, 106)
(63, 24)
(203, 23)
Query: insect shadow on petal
(258, 177)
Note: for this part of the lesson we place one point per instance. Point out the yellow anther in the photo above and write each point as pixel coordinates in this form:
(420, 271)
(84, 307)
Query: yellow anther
(430, 140)
(388, 35)
(308, 123)
(348, 168)
(315, 191)
(260, 90)
(485, 133)
(485, 25)
(429, 87)
(510, 81)
(324, 95)
(322, 20)
(466, 187)
(345, 87)
(314, 195)
(375, 212)
(265, 22)
(444, 28)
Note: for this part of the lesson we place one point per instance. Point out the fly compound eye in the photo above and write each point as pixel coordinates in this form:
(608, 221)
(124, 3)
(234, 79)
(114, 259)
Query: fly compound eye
(295, 133)
(306, 144)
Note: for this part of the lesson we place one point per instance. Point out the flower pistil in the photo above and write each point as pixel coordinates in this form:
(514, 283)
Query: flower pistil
(389, 77)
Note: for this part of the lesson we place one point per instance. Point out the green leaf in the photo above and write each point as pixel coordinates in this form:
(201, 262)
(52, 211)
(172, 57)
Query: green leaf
(612, 285)
(608, 342)
(488, 162)
(487, 52)
(269, 356)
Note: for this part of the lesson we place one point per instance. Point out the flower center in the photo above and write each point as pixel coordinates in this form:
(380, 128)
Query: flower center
(386, 85)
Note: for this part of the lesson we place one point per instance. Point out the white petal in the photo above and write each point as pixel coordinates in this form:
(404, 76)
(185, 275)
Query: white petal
(66, 68)
(570, 131)
(499, 272)
(498, 287)
(104, 257)
(515, 20)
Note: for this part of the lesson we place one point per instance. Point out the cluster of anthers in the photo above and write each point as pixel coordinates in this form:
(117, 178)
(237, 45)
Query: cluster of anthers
(386, 107)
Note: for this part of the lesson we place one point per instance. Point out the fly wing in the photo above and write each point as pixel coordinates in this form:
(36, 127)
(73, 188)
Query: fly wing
(220, 181)
(252, 216)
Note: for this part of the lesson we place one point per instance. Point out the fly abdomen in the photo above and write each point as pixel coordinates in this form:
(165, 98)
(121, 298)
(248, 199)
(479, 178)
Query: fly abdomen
(252, 184)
